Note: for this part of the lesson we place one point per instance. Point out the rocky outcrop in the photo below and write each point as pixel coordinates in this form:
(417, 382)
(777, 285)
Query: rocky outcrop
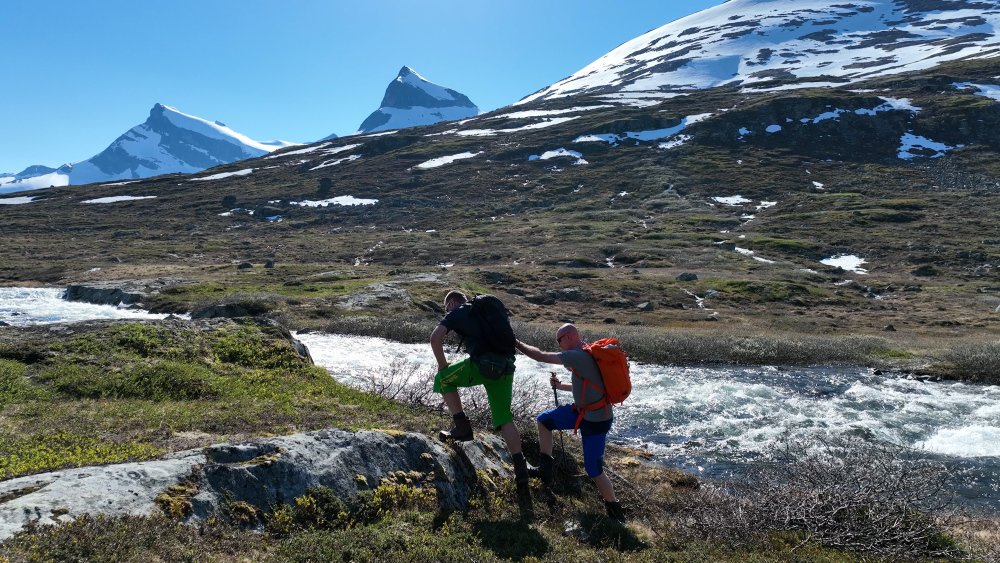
(104, 293)
(197, 484)
(119, 292)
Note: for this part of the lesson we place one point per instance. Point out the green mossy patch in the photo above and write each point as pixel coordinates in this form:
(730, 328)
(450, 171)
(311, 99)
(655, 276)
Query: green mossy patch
(128, 390)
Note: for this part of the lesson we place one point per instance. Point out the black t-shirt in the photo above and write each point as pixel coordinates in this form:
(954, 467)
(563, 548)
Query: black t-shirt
(460, 320)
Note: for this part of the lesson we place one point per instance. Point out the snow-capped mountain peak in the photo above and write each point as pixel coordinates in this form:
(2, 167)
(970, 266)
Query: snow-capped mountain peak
(169, 141)
(809, 42)
(212, 129)
(412, 100)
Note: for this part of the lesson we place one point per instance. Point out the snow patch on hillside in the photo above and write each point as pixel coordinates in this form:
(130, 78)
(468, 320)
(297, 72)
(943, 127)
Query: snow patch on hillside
(329, 163)
(848, 262)
(987, 90)
(17, 200)
(442, 160)
(546, 113)
(300, 151)
(914, 146)
(222, 175)
(118, 198)
(558, 153)
(732, 200)
(646, 136)
(549, 122)
(346, 200)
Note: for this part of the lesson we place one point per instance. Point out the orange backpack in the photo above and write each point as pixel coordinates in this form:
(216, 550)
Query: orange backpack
(613, 365)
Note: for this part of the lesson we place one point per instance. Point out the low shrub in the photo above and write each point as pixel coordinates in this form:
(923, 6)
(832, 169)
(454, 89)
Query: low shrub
(845, 494)
(248, 346)
(975, 362)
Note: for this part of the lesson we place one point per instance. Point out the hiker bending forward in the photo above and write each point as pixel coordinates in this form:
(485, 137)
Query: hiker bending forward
(587, 387)
(494, 372)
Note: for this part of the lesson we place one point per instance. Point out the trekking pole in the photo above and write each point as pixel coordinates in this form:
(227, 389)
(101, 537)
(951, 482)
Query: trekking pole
(555, 393)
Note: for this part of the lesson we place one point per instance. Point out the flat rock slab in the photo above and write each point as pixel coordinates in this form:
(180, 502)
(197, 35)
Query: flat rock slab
(264, 473)
(118, 490)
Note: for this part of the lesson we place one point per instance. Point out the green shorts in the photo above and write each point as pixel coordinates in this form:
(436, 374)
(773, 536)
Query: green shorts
(499, 392)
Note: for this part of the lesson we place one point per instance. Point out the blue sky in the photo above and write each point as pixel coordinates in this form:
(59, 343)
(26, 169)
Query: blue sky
(76, 75)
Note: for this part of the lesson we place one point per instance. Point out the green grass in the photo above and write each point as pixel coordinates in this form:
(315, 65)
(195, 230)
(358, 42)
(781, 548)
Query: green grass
(127, 389)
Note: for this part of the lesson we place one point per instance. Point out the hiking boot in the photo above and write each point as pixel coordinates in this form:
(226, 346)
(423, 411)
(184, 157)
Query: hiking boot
(460, 432)
(520, 469)
(615, 511)
(544, 469)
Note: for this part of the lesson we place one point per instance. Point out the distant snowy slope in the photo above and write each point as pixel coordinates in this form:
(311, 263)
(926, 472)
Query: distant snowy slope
(811, 41)
(410, 100)
(168, 141)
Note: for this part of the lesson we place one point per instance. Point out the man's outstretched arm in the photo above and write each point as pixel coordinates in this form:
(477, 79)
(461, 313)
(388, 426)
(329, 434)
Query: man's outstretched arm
(538, 355)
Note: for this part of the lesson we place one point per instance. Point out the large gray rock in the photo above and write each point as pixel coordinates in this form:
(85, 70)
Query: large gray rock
(119, 292)
(263, 473)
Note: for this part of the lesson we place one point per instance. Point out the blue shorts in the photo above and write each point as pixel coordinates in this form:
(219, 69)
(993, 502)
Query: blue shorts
(593, 434)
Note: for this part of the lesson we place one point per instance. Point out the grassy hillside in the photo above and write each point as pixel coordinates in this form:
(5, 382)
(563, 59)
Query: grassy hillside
(600, 243)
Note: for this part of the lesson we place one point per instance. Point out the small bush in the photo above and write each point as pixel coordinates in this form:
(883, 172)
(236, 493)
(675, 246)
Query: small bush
(845, 494)
(248, 347)
(973, 362)
(319, 509)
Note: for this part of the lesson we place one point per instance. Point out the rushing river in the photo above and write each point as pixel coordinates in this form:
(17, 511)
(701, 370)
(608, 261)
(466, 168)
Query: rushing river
(21, 306)
(712, 421)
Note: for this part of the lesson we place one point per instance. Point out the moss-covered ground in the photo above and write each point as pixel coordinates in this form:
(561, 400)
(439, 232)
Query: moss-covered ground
(111, 392)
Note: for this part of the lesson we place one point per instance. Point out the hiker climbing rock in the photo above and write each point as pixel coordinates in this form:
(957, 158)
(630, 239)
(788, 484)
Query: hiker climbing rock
(484, 327)
(591, 412)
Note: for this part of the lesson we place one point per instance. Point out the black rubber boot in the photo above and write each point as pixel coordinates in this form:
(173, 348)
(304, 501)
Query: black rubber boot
(520, 469)
(615, 511)
(461, 431)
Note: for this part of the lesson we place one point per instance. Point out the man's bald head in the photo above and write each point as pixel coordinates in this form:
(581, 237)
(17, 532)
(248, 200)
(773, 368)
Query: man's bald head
(568, 337)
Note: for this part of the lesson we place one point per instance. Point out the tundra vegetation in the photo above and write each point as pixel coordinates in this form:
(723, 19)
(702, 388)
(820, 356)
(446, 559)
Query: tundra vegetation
(135, 390)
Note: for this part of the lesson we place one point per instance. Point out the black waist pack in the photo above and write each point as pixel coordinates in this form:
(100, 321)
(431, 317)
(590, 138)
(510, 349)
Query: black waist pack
(494, 366)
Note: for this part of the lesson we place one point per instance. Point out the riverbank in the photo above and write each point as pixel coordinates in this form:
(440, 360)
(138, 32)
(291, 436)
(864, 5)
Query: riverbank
(932, 325)
(404, 305)
(104, 392)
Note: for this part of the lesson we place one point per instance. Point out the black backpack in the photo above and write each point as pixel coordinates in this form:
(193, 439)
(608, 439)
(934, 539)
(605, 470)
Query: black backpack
(494, 325)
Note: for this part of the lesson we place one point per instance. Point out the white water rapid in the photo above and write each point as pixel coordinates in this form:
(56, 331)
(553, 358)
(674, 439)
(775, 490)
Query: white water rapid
(20, 306)
(715, 420)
